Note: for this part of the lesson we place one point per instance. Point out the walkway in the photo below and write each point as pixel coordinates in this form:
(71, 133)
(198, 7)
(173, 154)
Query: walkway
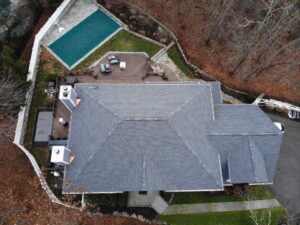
(163, 59)
(150, 199)
(220, 207)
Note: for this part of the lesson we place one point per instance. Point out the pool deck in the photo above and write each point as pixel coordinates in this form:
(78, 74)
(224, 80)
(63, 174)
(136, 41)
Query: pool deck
(80, 10)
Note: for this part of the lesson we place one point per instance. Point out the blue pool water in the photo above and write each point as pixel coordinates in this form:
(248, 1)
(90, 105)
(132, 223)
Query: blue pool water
(80, 40)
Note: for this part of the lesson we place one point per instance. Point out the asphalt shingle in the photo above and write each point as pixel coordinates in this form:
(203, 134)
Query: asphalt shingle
(176, 137)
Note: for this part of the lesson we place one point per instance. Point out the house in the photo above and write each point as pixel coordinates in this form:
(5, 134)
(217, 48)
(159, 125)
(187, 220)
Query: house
(171, 137)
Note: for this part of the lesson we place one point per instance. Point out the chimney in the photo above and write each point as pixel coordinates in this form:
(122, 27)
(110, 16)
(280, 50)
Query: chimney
(68, 96)
(62, 156)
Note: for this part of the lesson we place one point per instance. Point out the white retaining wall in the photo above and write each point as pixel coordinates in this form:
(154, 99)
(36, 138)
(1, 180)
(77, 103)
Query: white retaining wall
(23, 114)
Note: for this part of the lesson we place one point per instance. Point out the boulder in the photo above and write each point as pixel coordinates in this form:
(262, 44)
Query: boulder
(142, 32)
(132, 27)
(163, 40)
(161, 33)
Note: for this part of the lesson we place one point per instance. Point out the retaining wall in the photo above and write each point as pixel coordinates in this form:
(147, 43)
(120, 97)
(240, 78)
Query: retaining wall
(23, 114)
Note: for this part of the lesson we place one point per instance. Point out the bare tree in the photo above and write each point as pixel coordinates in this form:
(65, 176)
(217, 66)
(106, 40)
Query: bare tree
(12, 97)
(216, 16)
(250, 43)
(268, 39)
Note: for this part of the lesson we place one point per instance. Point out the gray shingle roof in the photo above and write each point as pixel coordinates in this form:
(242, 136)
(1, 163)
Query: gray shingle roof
(248, 143)
(143, 137)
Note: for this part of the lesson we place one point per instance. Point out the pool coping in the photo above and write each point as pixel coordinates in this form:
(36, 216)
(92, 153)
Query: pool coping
(107, 13)
(87, 54)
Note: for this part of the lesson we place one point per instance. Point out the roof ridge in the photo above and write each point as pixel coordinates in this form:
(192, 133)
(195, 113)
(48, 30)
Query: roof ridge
(251, 144)
(242, 134)
(251, 156)
(193, 152)
(92, 156)
(184, 104)
(100, 103)
(161, 173)
(144, 167)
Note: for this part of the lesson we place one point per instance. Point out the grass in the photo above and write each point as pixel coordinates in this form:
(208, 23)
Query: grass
(39, 100)
(256, 192)
(175, 55)
(225, 218)
(122, 41)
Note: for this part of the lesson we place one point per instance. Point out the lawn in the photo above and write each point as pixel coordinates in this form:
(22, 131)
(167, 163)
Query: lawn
(256, 192)
(39, 100)
(175, 55)
(122, 41)
(225, 218)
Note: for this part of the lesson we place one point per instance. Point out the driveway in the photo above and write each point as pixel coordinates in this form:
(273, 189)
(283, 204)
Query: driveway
(287, 176)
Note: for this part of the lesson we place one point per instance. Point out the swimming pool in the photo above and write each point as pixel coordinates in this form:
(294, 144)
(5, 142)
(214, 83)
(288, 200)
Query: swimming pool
(82, 39)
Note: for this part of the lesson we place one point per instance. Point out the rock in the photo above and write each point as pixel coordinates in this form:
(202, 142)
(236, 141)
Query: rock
(3, 33)
(161, 33)
(142, 32)
(132, 27)
(141, 218)
(141, 18)
(124, 214)
(163, 40)
(133, 11)
(133, 216)
(115, 213)
(132, 17)
(122, 16)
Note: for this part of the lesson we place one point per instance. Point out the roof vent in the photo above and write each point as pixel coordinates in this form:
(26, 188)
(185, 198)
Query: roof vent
(65, 94)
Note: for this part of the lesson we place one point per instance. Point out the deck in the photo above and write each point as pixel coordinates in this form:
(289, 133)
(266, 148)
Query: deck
(58, 130)
(136, 69)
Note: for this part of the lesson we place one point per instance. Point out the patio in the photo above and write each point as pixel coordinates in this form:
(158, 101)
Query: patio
(136, 68)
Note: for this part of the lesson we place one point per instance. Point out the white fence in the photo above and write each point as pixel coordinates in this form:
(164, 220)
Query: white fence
(23, 114)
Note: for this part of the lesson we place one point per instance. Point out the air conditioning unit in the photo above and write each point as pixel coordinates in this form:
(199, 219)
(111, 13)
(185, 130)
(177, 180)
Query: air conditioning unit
(68, 96)
(62, 156)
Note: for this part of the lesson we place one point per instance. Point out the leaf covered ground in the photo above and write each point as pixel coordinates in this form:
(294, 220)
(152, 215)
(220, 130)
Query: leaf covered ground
(22, 200)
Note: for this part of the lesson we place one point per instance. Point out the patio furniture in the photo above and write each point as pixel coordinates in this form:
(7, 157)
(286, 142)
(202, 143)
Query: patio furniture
(102, 68)
(107, 68)
(122, 65)
(114, 61)
(71, 79)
